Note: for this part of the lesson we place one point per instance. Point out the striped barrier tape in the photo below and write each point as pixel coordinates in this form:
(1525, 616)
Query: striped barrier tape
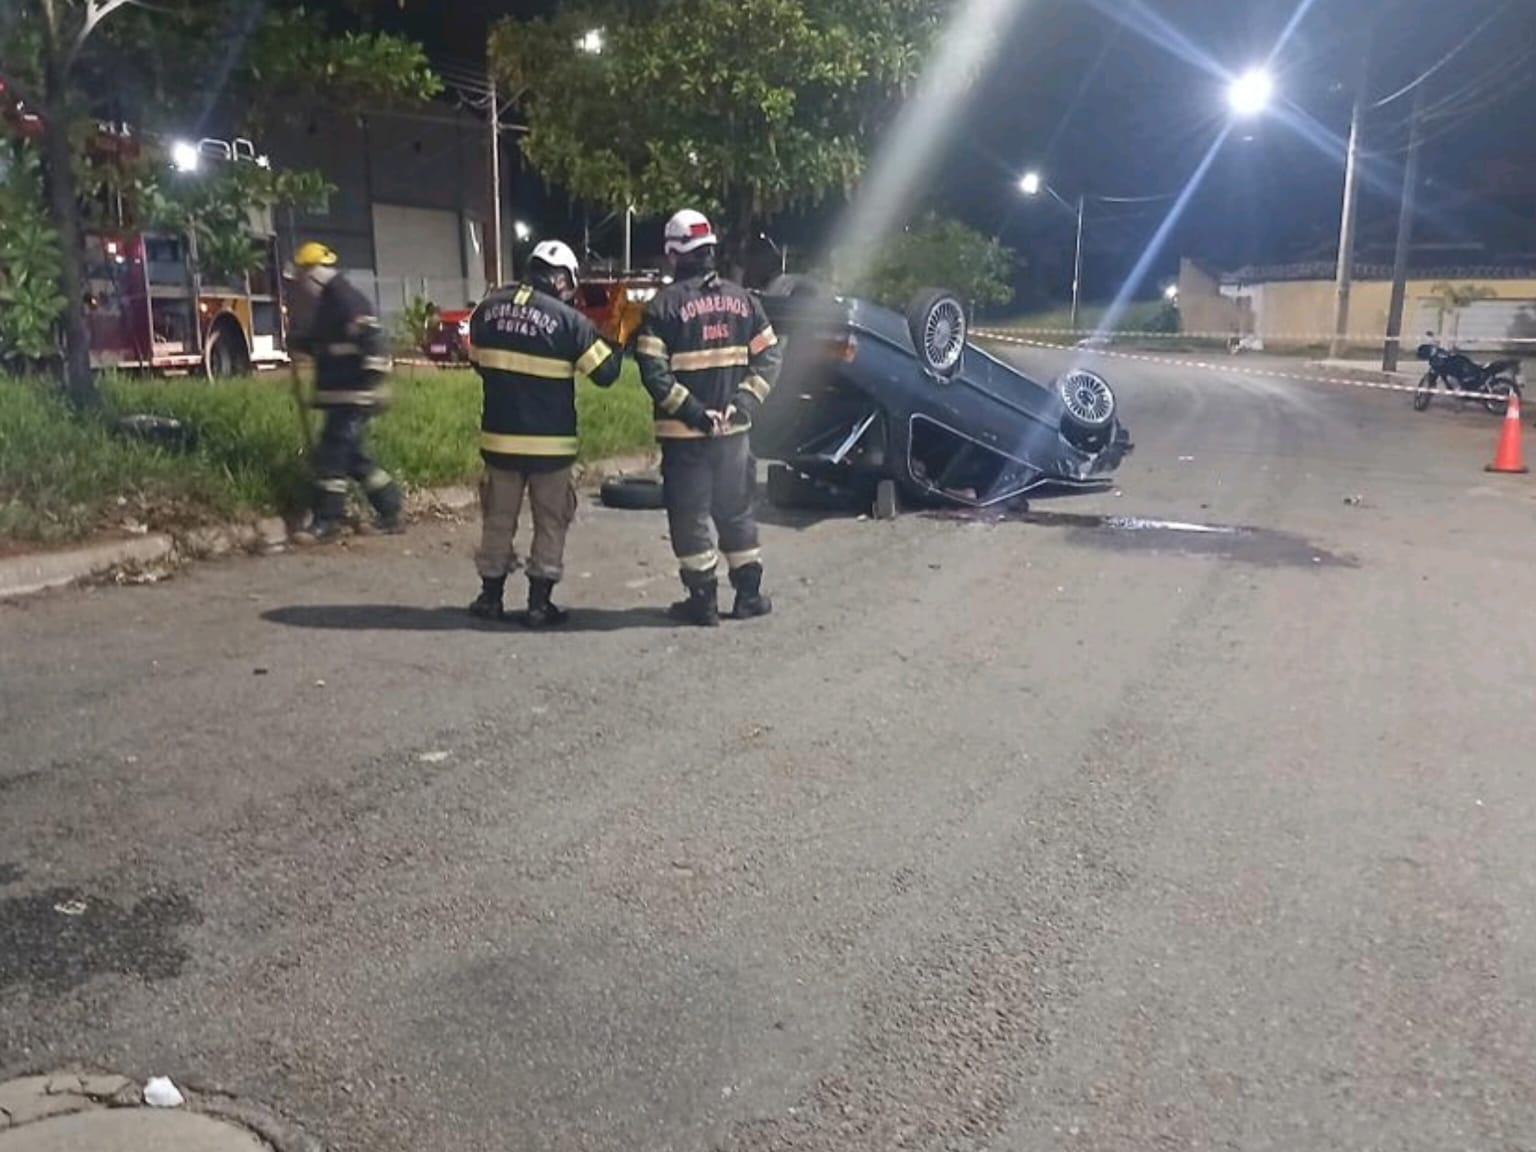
(1229, 369)
(1358, 339)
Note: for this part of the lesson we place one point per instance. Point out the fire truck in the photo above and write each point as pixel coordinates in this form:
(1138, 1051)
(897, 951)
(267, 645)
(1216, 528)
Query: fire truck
(150, 307)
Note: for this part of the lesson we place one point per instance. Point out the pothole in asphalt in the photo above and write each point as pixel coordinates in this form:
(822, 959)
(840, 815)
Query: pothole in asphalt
(60, 938)
(1264, 547)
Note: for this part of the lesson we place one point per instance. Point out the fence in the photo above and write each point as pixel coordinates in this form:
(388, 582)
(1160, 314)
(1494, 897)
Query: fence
(393, 295)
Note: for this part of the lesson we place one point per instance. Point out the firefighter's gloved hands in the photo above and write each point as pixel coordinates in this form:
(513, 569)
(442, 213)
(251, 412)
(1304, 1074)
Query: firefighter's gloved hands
(697, 417)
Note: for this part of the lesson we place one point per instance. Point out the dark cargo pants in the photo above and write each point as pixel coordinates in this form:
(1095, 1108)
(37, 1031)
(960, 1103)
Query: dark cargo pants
(710, 482)
(341, 455)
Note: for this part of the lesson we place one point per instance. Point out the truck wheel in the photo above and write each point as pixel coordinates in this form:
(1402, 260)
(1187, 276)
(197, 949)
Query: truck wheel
(226, 356)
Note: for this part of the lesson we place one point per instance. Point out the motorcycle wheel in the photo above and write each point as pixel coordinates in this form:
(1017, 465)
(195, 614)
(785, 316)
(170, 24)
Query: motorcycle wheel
(1499, 389)
(1424, 393)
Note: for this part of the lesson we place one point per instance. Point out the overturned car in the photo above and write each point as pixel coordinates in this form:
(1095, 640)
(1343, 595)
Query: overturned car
(890, 409)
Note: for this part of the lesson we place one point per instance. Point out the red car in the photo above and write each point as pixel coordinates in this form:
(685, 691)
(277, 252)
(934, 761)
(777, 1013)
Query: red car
(447, 339)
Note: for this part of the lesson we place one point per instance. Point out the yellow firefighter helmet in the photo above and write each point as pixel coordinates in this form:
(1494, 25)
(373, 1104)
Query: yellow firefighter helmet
(314, 254)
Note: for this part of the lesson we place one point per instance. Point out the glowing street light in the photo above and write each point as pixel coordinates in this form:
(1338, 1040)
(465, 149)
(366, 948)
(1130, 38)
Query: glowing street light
(185, 156)
(521, 231)
(1171, 293)
(1032, 184)
(1250, 93)
(591, 42)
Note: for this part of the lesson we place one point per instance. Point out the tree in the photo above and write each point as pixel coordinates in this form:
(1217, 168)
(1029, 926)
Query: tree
(29, 262)
(935, 252)
(78, 58)
(745, 108)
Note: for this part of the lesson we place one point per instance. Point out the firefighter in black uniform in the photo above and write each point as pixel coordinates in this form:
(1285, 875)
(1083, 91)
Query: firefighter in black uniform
(333, 323)
(528, 343)
(708, 357)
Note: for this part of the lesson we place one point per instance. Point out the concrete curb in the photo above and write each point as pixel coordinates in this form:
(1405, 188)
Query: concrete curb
(24, 575)
(147, 559)
(86, 1112)
(1350, 370)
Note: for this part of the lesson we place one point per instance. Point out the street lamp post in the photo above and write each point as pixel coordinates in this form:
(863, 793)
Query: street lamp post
(1032, 184)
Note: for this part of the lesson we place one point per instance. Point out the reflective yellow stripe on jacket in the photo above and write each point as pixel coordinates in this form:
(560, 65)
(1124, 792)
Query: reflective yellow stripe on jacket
(544, 367)
(592, 357)
(528, 445)
(736, 356)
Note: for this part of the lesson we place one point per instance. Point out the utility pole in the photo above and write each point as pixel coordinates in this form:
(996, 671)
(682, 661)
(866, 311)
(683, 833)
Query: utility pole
(494, 239)
(1394, 345)
(1346, 267)
(1077, 263)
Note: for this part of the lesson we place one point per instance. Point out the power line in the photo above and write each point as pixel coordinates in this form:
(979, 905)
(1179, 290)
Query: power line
(1444, 60)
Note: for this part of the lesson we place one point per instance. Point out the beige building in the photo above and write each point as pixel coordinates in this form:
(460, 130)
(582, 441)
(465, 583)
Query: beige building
(1294, 304)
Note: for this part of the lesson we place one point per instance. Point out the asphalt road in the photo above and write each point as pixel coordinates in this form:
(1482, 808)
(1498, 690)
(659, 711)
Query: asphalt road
(995, 836)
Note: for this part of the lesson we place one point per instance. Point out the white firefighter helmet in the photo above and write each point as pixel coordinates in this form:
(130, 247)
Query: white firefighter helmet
(688, 231)
(556, 255)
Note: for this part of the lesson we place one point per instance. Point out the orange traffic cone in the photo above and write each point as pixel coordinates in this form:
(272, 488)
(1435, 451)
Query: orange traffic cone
(1507, 457)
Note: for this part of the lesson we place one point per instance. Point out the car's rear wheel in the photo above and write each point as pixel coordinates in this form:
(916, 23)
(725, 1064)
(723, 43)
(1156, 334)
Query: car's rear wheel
(1088, 408)
(936, 323)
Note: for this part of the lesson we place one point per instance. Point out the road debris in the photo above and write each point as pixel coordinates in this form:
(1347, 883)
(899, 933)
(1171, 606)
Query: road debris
(70, 908)
(159, 1092)
(433, 757)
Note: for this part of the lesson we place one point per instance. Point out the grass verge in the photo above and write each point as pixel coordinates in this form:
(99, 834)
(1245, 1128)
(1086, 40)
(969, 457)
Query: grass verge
(63, 477)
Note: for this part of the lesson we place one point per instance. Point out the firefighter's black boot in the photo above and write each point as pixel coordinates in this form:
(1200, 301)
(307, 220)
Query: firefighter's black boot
(330, 507)
(487, 605)
(702, 608)
(542, 613)
(388, 508)
(750, 601)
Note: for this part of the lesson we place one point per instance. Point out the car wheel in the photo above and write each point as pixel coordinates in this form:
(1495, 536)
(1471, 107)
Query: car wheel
(792, 284)
(632, 493)
(936, 323)
(1088, 400)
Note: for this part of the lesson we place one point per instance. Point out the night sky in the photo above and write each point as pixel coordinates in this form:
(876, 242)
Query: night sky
(1117, 98)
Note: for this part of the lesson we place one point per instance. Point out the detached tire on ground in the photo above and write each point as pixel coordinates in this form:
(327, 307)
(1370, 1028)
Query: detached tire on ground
(632, 493)
(936, 323)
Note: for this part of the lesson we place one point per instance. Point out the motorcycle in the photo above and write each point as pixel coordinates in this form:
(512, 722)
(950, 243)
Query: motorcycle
(1460, 373)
